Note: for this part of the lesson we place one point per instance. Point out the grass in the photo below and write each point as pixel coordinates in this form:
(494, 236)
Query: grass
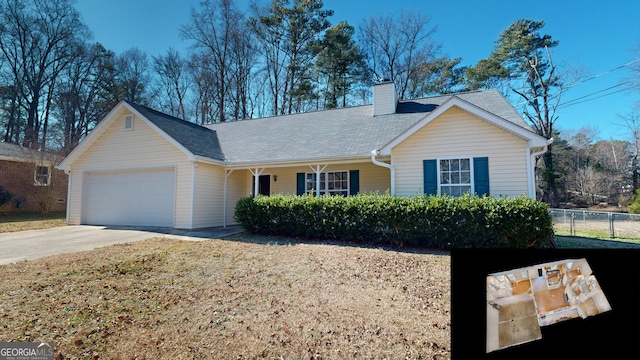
(574, 242)
(252, 297)
(11, 222)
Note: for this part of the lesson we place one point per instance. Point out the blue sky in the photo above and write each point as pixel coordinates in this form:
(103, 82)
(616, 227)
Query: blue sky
(595, 38)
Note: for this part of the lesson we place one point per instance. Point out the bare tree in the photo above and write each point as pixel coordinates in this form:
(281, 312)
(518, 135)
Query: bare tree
(396, 46)
(133, 77)
(38, 39)
(82, 97)
(174, 82)
(222, 59)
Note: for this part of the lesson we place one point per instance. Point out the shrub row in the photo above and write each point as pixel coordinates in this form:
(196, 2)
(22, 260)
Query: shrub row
(423, 221)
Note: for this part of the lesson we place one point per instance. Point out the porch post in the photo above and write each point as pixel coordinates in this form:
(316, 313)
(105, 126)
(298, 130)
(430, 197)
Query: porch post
(318, 171)
(256, 177)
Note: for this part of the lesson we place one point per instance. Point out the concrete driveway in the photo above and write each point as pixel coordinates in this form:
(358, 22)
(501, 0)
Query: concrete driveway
(33, 244)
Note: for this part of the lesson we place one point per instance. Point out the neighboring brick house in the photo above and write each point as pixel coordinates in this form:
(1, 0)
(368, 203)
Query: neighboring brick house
(32, 180)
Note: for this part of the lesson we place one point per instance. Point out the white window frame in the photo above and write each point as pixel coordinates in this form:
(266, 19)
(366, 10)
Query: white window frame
(310, 179)
(37, 177)
(471, 173)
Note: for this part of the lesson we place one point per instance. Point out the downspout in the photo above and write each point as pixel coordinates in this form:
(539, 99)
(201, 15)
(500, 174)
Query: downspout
(531, 166)
(375, 161)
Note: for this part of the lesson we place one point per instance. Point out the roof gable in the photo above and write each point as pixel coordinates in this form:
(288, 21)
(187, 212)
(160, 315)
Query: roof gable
(515, 127)
(197, 139)
(193, 140)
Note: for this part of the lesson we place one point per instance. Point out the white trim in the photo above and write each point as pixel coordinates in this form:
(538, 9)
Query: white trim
(311, 162)
(326, 181)
(35, 175)
(471, 170)
(256, 179)
(455, 101)
(69, 178)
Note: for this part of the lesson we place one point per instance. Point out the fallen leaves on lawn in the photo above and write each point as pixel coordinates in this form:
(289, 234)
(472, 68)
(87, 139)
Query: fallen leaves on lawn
(163, 298)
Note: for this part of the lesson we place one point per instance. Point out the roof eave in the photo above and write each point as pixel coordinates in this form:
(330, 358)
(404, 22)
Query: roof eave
(298, 162)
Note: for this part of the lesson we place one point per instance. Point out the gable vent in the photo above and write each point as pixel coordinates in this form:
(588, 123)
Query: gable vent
(128, 122)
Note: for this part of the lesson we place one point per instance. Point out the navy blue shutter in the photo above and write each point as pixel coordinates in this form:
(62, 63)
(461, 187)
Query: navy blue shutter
(301, 183)
(354, 182)
(481, 175)
(430, 175)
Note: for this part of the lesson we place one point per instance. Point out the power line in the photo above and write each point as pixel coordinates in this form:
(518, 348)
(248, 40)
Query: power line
(575, 101)
(615, 92)
(594, 93)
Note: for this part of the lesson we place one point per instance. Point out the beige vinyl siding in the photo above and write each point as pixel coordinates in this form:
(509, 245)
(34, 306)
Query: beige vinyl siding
(457, 133)
(372, 177)
(208, 199)
(119, 149)
(236, 190)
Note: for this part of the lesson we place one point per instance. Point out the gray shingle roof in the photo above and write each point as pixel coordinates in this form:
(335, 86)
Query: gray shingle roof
(338, 133)
(199, 140)
(330, 134)
(19, 153)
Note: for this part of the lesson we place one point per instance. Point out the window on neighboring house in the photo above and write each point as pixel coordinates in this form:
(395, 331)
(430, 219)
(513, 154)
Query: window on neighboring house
(42, 176)
(332, 183)
(455, 176)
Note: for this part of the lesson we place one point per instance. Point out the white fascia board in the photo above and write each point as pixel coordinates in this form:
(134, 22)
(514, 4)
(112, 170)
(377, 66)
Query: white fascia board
(289, 163)
(206, 160)
(91, 138)
(454, 101)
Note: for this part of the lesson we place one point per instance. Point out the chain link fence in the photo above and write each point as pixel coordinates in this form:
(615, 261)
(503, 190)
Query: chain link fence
(596, 223)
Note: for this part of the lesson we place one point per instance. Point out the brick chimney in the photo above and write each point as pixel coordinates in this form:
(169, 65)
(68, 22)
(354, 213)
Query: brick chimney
(385, 98)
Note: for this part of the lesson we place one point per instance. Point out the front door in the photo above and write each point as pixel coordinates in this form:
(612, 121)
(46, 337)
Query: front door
(264, 185)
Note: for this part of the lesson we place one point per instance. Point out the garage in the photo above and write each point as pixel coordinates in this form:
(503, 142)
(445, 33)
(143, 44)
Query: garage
(130, 198)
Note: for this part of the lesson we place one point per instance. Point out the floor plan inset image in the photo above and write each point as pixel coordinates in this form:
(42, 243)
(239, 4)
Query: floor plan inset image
(520, 301)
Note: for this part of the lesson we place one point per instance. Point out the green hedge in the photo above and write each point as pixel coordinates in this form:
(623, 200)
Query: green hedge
(423, 221)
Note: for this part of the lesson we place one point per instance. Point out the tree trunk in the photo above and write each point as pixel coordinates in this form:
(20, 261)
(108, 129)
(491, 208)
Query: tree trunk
(549, 177)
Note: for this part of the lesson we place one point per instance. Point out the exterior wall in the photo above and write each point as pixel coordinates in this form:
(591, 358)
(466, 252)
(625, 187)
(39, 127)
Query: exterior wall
(372, 177)
(17, 178)
(209, 196)
(236, 189)
(473, 138)
(118, 149)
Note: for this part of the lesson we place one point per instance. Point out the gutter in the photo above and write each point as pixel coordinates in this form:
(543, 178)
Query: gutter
(375, 161)
(531, 165)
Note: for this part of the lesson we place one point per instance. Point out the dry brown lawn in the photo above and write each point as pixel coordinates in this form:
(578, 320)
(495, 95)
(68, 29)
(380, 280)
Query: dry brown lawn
(241, 299)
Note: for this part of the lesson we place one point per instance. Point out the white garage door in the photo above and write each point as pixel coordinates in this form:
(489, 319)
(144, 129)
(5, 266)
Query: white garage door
(138, 198)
